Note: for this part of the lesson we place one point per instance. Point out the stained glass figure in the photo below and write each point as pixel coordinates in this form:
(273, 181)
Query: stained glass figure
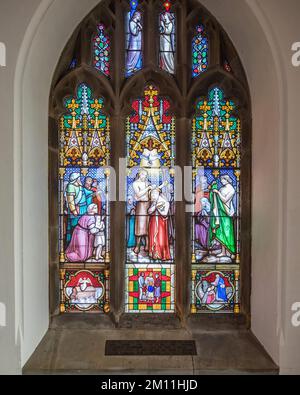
(84, 291)
(216, 159)
(84, 174)
(150, 181)
(215, 291)
(215, 216)
(167, 46)
(101, 51)
(199, 52)
(150, 219)
(73, 64)
(85, 215)
(150, 289)
(134, 39)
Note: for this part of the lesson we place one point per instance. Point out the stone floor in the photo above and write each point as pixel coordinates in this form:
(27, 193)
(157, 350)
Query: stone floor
(70, 350)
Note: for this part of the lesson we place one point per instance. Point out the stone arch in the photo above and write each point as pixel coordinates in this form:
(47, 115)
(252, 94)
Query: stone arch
(32, 84)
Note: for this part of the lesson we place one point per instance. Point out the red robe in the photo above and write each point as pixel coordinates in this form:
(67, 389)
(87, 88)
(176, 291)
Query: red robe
(97, 201)
(159, 248)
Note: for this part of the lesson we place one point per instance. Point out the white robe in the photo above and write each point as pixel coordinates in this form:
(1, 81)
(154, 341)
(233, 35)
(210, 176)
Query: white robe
(167, 50)
(135, 45)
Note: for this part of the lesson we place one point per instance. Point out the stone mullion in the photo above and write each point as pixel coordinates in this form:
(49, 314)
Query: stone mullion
(117, 220)
(119, 54)
(150, 35)
(181, 50)
(115, 267)
(182, 256)
(215, 46)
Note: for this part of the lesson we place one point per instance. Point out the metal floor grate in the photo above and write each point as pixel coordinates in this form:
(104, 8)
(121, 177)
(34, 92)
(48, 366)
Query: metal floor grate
(150, 347)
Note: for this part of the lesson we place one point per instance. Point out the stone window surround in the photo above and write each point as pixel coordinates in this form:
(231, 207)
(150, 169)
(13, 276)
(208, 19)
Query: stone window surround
(184, 92)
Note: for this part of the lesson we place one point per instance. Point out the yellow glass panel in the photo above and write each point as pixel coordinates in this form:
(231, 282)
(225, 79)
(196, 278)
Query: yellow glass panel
(142, 307)
(130, 286)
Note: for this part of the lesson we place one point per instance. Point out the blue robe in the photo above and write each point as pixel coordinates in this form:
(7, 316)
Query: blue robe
(131, 236)
(89, 196)
(81, 203)
(221, 291)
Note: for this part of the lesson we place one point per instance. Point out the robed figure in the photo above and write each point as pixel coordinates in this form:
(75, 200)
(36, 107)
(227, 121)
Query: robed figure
(221, 295)
(222, 226)
(202, 225)
(131, 242)
(76, 203)
(167, 43)
(135, 41)
(142, 188)
(159, 248)
(81, 246)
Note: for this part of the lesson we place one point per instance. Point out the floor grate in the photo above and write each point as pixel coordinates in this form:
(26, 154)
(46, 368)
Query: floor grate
(150, 347)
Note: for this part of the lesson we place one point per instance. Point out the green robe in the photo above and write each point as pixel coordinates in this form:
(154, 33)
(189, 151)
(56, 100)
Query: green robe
(221, 226)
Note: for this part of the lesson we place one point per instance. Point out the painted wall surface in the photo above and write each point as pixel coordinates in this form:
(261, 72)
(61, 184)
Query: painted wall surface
(286, 31)
(249, 36)
(15, 16)
(35, 33)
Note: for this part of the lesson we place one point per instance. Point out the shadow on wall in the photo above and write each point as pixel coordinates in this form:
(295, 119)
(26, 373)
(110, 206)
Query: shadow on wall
(2, 315)
(2, 55)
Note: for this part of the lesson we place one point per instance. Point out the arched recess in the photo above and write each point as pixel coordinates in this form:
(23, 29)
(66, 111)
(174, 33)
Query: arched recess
(33, 78)
(224, 70)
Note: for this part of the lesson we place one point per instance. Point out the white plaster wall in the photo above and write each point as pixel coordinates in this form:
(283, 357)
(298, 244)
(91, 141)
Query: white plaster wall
(14, 19)
(35, 33)
(251, 25)
(249, 36)
(286, 31)
(43, 51)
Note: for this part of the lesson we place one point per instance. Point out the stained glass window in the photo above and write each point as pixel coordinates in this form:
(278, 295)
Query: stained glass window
(134, 39)
(227, 66)
(167, 40)
(101, 51)
(73, 64)
(216, 158)
(199, 52)
(148, 37)
(83, 204)
(150, 225)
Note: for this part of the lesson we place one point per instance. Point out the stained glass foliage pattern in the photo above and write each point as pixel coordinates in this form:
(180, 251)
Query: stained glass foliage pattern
(216, 156)
(134, 39)
(101, 51)
(150, 225)
(200, 52)
(167, 39)
(84, 213)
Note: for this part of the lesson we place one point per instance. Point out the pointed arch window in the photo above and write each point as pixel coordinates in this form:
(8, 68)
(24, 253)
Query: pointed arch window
(162, 116)
(200, 53)
(83, 204)
(102, 51)
(134, 39)
(216, 158)
(150, 248)
(167, 39)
